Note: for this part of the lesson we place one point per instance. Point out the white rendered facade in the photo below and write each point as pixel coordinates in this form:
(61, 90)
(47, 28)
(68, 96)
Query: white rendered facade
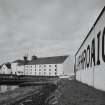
(17, 69)
(90, 57)
(14, 67)
(41, 69)
(20, 70)
(51, 66)
(55, 69)
(5, 70)
(68, 66)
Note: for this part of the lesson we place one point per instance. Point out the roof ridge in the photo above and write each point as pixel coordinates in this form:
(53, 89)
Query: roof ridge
(48, 60)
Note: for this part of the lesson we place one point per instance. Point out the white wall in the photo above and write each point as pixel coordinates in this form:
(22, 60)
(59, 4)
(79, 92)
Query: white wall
(17, 69)
(68, 66)
(59, 69)
(26, 69)
(20, 69)
(14, 67)
(44, 69)
(96, 74)
(5, 70)
(40, 69)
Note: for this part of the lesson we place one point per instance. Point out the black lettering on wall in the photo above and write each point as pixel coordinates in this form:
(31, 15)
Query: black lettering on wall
(82, 61)
(93, 52)
(98, 48)
(88, 56)
(85, 59)
(79, 62)
(103, 45)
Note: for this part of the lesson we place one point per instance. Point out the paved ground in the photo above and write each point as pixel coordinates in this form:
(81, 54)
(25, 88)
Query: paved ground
(71, 92)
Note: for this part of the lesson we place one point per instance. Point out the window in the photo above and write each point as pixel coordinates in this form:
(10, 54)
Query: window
(49, 65)
(35, 69)
(49, 69)
(39, 73)
(44, 73)
(26, 66)
(55, 73)
(31, 66)
(55, 65)
(39, 69)
(39, 65)
(49, 73)
(44, 65)
(44, 69)
(55, 69)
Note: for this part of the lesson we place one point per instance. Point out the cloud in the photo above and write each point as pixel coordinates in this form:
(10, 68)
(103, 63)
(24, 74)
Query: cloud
(49, 27)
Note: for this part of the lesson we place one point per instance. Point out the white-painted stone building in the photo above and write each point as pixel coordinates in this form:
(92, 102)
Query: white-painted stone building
(18, 67)
(6, 69)
(50, 66)
(44, 66)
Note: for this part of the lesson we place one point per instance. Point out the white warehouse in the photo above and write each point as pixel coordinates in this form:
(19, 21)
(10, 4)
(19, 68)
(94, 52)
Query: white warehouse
(46, 66)
(17, 67)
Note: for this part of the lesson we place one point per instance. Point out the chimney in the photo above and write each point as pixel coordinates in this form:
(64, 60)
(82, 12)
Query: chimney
(25, 58)
(34, 58)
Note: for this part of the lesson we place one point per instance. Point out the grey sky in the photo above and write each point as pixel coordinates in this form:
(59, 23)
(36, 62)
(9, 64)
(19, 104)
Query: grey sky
(47, 27)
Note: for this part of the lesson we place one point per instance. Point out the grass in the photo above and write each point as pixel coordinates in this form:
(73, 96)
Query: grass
(75, 93)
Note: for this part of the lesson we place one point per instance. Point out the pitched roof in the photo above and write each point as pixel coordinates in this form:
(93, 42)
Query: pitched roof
(8, 65)
(49, 60)
(18, 61)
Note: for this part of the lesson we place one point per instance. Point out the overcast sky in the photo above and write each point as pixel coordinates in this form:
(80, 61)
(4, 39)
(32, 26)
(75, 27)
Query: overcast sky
(46, 27)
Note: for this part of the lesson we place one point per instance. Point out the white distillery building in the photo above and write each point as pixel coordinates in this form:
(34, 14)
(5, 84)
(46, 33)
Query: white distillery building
(17, 67)
(49, 66)
(44, 66)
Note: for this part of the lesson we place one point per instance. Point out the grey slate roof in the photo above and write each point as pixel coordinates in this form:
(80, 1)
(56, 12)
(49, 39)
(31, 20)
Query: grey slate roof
(43, 60)
(8, 65)
(49, 60)
(18, 61)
